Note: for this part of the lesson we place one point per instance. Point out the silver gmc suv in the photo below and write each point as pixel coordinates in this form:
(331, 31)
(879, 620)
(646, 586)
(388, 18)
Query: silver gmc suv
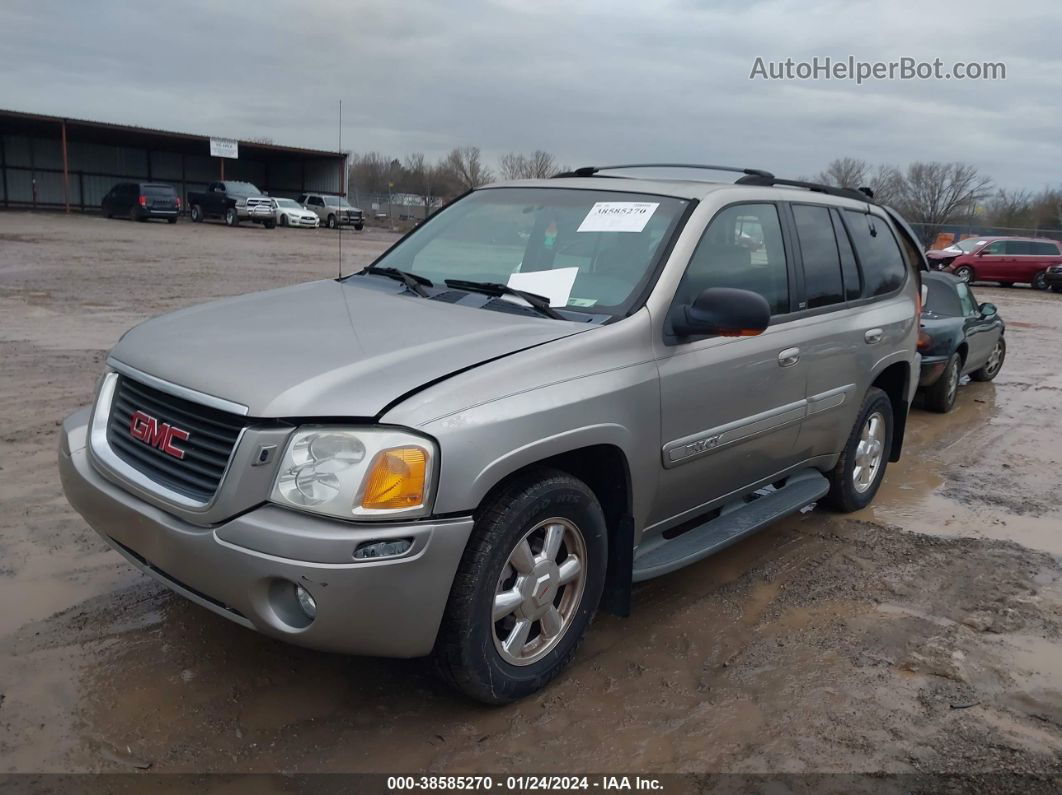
(549, 391)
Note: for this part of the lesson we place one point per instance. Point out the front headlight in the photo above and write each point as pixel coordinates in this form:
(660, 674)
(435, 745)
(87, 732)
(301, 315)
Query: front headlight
(356, 473)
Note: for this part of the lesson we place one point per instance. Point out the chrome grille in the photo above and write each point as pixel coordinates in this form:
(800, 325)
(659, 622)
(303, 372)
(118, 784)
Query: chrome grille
(212, 436)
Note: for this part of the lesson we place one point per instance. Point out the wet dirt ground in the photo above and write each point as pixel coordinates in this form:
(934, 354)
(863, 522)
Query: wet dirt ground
(923, 634)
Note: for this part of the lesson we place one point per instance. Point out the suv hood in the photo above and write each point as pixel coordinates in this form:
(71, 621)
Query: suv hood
(325, 349)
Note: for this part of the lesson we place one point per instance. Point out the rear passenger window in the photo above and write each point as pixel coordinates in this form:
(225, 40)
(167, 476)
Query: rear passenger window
(822, 262)
(853, 282)
(742, 248)
(1018, 247)
(879, 255)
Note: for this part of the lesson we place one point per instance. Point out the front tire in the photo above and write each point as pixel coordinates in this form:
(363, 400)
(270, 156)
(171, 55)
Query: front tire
(940, 397)
(527, 588)
(197, 214)
(1039, 281)
(859, 471)
(283, 220)
(994, 363)
(332, 222)
(232, 217)
(964, 273)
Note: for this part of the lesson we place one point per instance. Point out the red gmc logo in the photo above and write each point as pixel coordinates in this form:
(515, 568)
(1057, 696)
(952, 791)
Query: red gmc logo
(158, 434)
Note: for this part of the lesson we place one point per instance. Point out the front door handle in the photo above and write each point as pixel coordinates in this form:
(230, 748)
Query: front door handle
(789, 357)
(873, 335)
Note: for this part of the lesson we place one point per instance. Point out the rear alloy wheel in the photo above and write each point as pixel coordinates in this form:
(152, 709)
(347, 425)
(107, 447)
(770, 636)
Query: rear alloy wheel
(1039, 281)
(994, 363)
(940, 397)
(232, 217)
(527, 588)
(964, 273)
(855, 479)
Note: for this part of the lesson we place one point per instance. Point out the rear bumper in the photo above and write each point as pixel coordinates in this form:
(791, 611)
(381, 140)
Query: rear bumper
(245, 569)
(931, 370)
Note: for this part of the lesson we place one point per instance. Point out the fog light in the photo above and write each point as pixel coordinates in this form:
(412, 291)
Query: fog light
(306, 602)
(383, 549)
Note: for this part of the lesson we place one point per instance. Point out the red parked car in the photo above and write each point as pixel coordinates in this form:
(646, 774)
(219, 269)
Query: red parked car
(999, 259)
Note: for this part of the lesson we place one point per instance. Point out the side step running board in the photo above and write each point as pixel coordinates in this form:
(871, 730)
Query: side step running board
(732, 524)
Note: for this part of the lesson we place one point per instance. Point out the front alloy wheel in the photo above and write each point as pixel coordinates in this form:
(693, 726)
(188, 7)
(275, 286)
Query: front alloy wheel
(964, 274)
(539, 591)
(528, 585)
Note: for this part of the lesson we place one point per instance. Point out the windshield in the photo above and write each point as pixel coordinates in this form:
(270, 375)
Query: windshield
(242, 189)
(966, 246)
(289, 203)
(586, 250)
(336, 201)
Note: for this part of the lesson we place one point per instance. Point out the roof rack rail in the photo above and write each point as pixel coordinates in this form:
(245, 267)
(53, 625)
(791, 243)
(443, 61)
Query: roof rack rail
(589, 171)
(859, 194)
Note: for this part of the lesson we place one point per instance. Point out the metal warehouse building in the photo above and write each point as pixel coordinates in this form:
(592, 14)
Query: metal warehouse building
(53, 162)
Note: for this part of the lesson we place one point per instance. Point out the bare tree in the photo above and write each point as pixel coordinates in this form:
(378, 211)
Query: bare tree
(887, 185)
(845, 172)
(370, 172)
(936, 193)
(537, 165)
(425, 179)
(465, 163)
(1010, 209)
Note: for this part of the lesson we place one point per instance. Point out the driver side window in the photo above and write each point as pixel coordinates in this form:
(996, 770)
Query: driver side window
(741, 248)
(995, 248)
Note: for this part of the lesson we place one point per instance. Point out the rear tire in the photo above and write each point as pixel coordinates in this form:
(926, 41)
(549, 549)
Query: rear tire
(964, 273)
(493, 648)
(940, 397)
(1039, 281)
(994, 363)
(861, 461)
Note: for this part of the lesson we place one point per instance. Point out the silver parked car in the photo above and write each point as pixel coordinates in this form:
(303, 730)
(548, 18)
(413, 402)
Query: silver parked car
(333, 211)
(550, 390)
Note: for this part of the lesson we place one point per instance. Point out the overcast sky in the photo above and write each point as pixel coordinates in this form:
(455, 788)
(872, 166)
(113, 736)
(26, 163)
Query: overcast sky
(591, 82)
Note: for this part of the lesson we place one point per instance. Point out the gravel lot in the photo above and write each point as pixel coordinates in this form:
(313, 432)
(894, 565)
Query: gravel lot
(921, 635)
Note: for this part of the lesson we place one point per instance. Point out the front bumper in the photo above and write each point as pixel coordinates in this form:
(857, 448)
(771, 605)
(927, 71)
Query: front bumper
(1053, 279)
(245, 568)
(931, 370)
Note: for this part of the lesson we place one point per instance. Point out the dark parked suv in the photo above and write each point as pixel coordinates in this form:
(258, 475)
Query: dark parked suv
(999, 259)
(142, 200)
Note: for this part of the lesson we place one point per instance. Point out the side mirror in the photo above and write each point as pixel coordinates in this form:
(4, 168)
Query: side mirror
(724, 311)
(988, 310)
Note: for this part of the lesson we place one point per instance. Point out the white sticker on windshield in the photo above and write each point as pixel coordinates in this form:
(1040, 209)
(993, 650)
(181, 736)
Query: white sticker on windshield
(618, 217)
(556, 285)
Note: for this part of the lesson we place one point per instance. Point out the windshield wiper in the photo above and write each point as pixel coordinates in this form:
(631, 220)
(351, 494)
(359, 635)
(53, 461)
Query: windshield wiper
(412, 281)
(541, 303)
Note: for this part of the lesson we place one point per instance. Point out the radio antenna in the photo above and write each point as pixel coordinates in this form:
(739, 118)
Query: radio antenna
(342, 185)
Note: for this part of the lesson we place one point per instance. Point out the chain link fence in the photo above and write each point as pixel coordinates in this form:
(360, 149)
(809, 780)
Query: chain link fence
(935, 237)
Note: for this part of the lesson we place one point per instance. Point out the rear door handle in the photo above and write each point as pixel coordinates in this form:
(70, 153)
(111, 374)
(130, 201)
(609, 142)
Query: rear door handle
(873, 335)
(789, 357)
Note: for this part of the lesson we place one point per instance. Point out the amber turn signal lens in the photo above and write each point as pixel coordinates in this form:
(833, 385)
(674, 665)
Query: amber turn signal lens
(396, 479)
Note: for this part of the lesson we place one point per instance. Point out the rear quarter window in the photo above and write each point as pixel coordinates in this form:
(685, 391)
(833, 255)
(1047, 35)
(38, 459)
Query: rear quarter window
(879, 254)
